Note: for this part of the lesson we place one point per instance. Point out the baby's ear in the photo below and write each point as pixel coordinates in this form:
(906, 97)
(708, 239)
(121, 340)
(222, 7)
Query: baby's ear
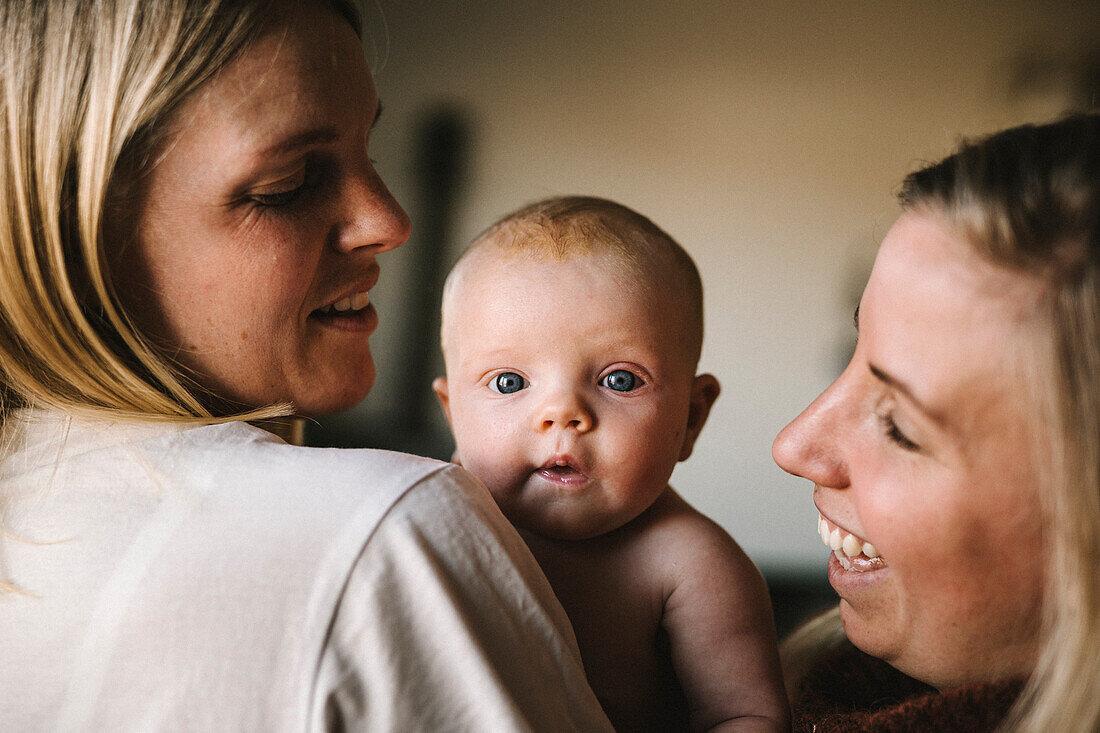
(439, 386)
(704, 391)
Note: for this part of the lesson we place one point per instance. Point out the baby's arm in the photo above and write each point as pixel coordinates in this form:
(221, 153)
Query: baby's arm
(720, 626)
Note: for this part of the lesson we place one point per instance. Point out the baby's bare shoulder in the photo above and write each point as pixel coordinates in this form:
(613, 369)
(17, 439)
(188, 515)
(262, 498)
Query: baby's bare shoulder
(681, 530)
(683, 545)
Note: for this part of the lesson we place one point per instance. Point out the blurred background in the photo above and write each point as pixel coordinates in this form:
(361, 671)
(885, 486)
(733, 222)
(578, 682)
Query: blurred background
(768, 138)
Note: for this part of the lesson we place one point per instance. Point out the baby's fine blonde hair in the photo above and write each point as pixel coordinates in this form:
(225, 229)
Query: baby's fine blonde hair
(566, 227)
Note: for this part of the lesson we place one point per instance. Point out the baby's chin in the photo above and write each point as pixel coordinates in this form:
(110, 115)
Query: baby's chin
(566, 529)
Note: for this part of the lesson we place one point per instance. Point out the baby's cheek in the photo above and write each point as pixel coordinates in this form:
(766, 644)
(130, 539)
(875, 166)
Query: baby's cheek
(490, 448)
(492, 466)
(506, 492)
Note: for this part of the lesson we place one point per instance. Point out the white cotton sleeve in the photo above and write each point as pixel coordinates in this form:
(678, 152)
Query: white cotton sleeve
(447, 624)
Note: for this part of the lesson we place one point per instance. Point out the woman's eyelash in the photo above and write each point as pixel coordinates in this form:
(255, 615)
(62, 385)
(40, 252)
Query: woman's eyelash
(279, 198)
(311, 177)
(894, 434)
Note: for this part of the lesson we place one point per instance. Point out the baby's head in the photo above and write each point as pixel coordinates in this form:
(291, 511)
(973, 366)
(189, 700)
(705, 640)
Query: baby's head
(571, 333)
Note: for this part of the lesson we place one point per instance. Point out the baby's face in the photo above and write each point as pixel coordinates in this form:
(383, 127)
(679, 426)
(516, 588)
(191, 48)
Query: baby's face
(568, 396)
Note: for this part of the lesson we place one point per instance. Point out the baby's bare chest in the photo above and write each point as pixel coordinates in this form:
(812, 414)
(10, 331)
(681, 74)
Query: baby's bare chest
(616, 603)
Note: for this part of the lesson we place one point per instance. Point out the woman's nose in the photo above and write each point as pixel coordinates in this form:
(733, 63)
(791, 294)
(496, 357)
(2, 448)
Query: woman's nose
(563, 409)
(811, 446)
(370, 215)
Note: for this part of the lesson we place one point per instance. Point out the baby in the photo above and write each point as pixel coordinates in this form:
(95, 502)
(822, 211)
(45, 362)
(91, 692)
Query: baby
(571, 333)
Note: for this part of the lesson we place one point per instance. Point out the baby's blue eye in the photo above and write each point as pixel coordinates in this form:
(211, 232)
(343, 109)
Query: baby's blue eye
(620, 380)
(508, 382)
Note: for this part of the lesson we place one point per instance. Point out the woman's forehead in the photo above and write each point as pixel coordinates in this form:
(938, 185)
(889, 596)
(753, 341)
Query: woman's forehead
(305, 66)
(923, 258)
(946, 322)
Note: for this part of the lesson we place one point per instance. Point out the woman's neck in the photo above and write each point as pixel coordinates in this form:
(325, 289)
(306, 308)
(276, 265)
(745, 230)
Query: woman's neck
(289, 428)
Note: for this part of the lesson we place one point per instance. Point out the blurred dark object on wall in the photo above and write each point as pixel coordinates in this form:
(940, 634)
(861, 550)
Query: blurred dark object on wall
(1037, 72)
(440, 168)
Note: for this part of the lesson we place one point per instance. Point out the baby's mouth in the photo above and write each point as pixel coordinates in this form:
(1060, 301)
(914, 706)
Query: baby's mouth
(562, 471)
(852, 552)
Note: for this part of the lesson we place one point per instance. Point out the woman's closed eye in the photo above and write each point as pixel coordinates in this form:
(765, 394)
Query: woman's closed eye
(312, 174)
(894, 433)
(282, 192)
(507, 383)
(621, 380)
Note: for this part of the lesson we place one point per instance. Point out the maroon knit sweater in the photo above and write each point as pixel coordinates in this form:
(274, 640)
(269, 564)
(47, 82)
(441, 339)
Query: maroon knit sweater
(852, 691)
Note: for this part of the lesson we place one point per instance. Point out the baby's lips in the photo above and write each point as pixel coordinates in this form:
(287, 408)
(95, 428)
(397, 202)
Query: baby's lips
(562, 461)
(565, 476)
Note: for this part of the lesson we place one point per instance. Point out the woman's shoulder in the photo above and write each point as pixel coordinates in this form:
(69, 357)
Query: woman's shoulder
(239, 452)
(185, 543)
(250, 472)
(229, 485)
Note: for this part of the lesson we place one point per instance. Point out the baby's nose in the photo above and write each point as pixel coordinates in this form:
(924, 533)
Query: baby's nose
(565, 410)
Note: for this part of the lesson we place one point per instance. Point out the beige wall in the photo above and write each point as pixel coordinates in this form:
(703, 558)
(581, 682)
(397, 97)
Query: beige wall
(767, 137)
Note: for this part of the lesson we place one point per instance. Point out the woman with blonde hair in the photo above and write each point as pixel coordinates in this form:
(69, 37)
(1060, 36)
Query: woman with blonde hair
(190, 231)
(956, 461)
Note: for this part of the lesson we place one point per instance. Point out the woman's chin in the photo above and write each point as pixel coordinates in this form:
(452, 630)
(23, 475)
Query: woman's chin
(318, 399)
(324, 407)
(867, 610)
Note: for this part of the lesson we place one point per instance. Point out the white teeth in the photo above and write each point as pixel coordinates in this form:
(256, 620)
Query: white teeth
(354, 302)
(851, 545)
(844, 561)
(843, 544)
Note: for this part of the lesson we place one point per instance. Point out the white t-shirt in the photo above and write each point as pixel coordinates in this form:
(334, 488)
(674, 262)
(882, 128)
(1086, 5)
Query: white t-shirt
(216, 579)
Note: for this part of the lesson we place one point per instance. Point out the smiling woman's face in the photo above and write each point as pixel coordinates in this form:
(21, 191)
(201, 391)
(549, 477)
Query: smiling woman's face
(249, 251)
(923, 449)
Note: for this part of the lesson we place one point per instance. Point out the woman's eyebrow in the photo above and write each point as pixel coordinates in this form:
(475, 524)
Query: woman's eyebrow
(894, 382)
(302, 139)
(313, 136)
(855, 317)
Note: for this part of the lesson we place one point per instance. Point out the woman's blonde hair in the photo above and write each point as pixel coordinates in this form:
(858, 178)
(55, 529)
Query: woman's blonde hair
(1028, 198)
(86, 88)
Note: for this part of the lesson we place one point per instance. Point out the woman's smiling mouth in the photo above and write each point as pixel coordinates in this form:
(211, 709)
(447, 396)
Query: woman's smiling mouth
(352, 303)
(351, 313)
(852, 552)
